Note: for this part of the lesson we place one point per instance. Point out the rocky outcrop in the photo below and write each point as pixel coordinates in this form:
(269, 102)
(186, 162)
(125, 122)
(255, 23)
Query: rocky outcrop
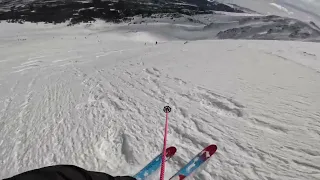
(111, 11)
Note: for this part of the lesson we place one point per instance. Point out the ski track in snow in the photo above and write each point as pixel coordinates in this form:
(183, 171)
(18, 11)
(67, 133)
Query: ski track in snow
(99, 105)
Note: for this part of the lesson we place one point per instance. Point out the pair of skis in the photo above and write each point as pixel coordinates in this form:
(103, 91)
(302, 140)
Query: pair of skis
(185, 171)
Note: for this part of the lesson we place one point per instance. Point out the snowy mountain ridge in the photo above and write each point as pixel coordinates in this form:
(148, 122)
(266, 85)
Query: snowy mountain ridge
(228, 21)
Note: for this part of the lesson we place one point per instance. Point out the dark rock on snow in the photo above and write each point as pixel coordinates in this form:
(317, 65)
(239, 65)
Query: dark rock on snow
(110, 10)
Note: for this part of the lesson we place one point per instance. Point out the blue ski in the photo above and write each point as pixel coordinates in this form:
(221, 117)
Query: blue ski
(154, 164)
(195, 163)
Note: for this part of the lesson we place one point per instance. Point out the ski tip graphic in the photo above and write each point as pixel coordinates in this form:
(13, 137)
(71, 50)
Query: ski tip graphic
(208, 151)
(211, 149)
(171, 151)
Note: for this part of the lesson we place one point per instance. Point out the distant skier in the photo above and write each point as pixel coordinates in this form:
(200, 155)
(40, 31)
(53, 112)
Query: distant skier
(65, 172)
(156, 42)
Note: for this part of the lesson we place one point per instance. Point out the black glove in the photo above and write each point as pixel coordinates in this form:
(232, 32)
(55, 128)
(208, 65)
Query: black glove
(65, 172)
(124, 178)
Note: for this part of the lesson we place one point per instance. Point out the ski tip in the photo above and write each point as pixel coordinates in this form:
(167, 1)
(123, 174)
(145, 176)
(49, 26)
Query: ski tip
(211, 149)
(181, 177)
(171, 151)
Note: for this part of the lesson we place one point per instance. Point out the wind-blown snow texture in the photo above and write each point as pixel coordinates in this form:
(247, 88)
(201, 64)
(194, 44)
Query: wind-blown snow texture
(82, 95)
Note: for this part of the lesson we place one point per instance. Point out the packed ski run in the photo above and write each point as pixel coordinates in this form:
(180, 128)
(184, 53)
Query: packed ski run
(95, 99)
(92, 95)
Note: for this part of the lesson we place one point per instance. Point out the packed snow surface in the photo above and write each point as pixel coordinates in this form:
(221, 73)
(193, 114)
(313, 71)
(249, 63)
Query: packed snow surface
(88, 96)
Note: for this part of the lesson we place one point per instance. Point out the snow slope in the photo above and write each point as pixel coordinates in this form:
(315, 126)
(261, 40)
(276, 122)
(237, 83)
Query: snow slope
(304, 10)
(224, 26)
(89, 96)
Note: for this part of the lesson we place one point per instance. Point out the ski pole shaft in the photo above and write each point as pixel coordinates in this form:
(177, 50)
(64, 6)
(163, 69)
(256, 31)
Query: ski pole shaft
(166, 109)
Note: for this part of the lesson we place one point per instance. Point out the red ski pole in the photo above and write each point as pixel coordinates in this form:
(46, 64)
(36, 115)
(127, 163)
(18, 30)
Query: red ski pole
(166, 109)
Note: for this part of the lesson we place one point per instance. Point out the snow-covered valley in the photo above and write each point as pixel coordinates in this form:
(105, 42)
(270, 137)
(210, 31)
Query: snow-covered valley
(92, 96)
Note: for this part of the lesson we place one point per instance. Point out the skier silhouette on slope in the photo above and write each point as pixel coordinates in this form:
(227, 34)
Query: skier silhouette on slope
(65, 172)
